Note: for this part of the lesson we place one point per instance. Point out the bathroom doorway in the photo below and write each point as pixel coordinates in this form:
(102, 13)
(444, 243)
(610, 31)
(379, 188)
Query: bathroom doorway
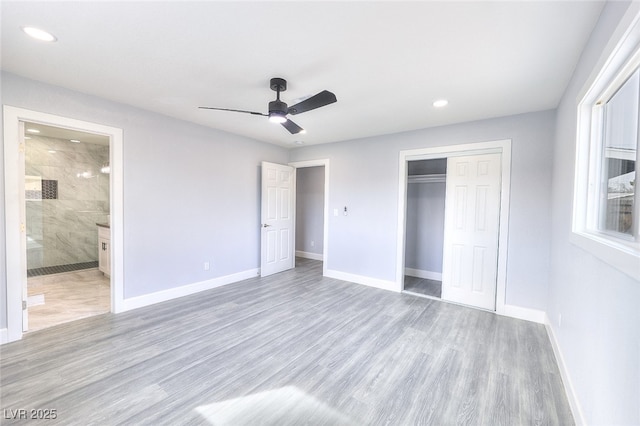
(67, 202)
(15, 229)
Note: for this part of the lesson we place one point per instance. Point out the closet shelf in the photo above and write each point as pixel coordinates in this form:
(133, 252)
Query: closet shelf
(433, 178)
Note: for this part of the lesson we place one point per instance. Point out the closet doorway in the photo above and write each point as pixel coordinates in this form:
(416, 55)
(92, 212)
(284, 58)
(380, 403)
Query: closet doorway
(453, 223)
(426, 185)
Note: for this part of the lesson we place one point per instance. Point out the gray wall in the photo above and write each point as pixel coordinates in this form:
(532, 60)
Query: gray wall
(191, 194)
(425, 226)
(364, 177)
(599, 335)
(310, 209)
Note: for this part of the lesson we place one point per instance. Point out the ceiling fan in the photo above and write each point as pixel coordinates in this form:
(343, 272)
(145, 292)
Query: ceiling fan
(279, 110)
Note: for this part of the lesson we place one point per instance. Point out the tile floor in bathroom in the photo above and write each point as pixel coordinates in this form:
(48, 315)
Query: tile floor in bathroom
(59, 298)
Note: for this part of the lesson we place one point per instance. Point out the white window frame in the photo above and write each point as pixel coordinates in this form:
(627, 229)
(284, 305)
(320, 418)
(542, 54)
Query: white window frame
(621, 59)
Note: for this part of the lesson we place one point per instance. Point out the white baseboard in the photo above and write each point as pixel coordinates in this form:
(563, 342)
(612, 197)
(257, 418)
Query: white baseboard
(574, 403)
(361, 279)
(419, 273)
(4, 336)
(185, 290)
(527, 314)
(309, 255)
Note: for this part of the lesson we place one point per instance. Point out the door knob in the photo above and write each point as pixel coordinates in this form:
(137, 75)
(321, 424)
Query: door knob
(265, 225)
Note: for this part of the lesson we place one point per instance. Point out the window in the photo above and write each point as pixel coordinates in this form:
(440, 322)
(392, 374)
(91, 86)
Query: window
(617, 210)
(606, 214)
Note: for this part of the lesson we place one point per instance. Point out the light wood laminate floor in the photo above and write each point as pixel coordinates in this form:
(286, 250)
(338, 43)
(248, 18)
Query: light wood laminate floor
(423, 286)
(58, 298)
(292, 348)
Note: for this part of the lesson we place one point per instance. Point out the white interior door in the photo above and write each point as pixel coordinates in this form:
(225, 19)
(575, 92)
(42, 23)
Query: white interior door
(277, 235)
(472, 219)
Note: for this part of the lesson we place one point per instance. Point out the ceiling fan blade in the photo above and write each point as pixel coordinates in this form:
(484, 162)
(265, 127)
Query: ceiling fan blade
(316, 101)
(292, 127)
(235, 110)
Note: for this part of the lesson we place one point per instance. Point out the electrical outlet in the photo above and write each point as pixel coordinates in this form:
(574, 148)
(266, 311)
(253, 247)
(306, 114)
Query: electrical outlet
(206, 266)
(313, 243)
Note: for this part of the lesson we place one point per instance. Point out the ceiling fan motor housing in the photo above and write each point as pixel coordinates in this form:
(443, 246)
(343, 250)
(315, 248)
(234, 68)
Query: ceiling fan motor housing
(278, 107)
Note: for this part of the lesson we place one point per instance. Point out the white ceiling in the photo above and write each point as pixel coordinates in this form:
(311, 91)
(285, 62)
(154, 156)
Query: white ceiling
(385, 61)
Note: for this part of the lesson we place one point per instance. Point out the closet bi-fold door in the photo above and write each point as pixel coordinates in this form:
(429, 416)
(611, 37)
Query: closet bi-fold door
(472, 219)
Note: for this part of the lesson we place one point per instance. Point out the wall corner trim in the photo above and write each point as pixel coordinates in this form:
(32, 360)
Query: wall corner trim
(574, 403)
(364, 280)
(185, 290)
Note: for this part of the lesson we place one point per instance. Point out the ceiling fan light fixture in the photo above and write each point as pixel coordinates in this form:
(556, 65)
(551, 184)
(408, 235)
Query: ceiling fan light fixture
(277, 117)
(277, 111)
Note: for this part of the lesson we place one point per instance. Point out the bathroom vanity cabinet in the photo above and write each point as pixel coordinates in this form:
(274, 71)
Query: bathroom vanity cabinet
(104, 249)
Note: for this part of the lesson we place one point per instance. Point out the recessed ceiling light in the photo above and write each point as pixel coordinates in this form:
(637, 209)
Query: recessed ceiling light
(302, 132)
(33, 130)
(299, 142)
(74, 140)
(39, 34)
(52, 151)
(440, 103)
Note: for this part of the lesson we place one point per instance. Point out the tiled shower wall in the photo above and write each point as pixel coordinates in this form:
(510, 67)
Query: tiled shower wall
(62, 230)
